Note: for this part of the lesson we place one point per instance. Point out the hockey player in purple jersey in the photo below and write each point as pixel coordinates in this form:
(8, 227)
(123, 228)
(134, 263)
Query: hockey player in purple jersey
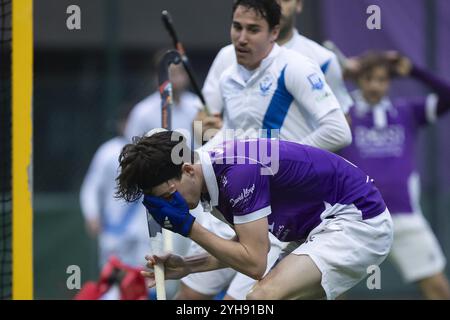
(385, 133)
(328, 209)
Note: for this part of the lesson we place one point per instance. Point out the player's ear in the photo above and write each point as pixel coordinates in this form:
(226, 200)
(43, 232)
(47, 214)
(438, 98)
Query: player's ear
(188, 169)
(171, 184)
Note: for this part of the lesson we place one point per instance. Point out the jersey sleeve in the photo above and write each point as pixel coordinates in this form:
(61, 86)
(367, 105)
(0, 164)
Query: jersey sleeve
(333, 75)
(422, 109)
(306, 82)
(92, 186)
(142, 120)
(247, 193)
(211, 87)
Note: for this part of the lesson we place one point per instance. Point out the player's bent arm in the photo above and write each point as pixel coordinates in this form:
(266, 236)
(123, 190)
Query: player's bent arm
(438, 85)
(248, 255)
(314, 97)
(177, 267)
(332, 134)
(203, 262)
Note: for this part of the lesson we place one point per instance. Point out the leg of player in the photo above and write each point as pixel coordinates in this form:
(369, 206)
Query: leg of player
(320, 267)
(187, 293)
(435, 287)
(417, 254)
(278, 283)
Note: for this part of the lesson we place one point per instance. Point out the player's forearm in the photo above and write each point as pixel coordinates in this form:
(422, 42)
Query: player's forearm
(438, 85)
(230, 253)
(203, 262)
(332, 134)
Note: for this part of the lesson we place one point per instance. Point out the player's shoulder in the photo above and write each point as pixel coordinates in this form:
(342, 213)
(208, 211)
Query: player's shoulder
(190, 102)
(226, 52)
(312, 49)
(296, 64)
(228, 73)
(111, 149)
(224, 58)
(190, 99)
(294, 56)
(147, 103)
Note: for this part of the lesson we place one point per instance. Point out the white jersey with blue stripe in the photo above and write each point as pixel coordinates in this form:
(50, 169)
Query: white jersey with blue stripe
(326, 59)
(329, 64)
(288, 92)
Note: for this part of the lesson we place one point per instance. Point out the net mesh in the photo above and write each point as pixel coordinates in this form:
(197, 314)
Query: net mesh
(5, 151)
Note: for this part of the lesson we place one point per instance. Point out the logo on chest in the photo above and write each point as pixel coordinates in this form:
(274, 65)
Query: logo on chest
(265, 85)
(388, 141)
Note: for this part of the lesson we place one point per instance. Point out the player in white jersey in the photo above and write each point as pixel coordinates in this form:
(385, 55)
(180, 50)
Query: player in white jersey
(120, 227)
(291, 39)
(146, 115)
(288, 92)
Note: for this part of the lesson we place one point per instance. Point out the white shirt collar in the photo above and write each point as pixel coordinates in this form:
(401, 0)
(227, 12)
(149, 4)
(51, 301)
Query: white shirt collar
(362, 106)
(210, 177)
(379, 111)
(245, 73)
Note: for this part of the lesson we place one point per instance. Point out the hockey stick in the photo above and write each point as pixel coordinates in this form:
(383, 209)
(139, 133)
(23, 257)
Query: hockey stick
(161, 239)
(157, 244)
(342, 59)
(165, 86)
(168, 23)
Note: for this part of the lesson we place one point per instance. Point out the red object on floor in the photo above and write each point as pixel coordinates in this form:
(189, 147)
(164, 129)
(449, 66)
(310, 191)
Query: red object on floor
(129, 280)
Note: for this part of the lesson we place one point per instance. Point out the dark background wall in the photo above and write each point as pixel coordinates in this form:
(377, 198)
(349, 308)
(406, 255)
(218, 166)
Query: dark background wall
(84, 78)
(201, 24)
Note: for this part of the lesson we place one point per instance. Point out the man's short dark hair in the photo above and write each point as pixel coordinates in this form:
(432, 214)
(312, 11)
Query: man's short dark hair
(147, 162)
(270, 10)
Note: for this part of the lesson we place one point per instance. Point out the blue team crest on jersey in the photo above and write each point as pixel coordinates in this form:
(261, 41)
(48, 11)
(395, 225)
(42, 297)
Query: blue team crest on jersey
(265, 85)
(316, 81)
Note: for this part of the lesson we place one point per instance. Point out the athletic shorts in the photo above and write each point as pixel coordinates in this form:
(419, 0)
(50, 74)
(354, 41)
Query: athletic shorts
(415, 251)
(345, 247)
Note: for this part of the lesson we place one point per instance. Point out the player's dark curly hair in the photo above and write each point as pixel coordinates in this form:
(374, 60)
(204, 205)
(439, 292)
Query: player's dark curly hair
(270, 10)
(147, 162)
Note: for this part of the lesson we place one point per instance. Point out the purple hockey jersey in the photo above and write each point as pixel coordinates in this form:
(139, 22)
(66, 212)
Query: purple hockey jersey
(290, 184)
(384, 140)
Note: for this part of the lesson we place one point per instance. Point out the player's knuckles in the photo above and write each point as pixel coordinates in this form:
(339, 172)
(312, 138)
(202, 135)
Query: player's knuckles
(148, 274)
